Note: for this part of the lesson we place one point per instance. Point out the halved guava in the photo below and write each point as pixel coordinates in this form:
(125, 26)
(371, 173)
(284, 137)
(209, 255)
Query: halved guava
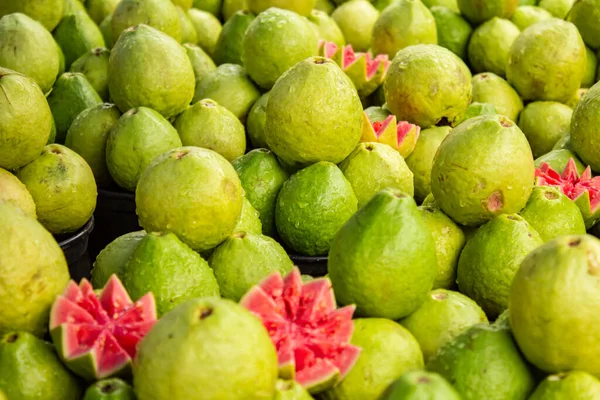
(401, 136)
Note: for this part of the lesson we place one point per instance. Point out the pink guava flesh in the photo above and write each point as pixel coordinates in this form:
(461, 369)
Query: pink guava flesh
(403, 128)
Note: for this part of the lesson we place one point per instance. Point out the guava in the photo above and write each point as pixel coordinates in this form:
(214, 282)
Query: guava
(326, 28)
(385, 241)
(479, 109)
(106, 29)
(312, 206)
(453, 31)
(567, 385)
(249, 219)
(188, 30)
(290, 390)
(230, 7)
(161, 15)
(98, 10)
(417, 385)
(256, 121)
(538, 74)
(172, 88)
(558, 160)
(583, 127)
(113, 258)
(87, 137)
(356, 20)
(202, 64)
(372, 167)
(212, 126)
(138, 137)
(544, 123)
(94, 65)
(165, 367)
(229, 46)
(13, 191)
(47, 12)
(204, 200)
(591, 67)
(479, 11)
(491, 89)
(490, 44)
(325, 5)
(39, 266)
(27, 47)
(301, 7)
(558, 8)
(208, 29)
(63, 187)
(212, 6)
(584, 15)
(409, 95)
(526, 16)
(553, 302)
(449, 4)
(377, 114)
(110, 389)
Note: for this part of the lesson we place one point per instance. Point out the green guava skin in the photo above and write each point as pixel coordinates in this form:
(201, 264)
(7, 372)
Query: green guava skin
(417, 22)
(172, 88)
(173, 272)
(31, 259)
(159, 14)
(479, 109)
(479, 11)
(445, 94)
(138, 137)
(71, 94)
(356, 20)
(444, 315)
(25, 119)
(294, 125)
(388, 351)
(98, 10)
(266, 56)
(31, 370)
(212, 6)
(105, 28)
(211, 126)
(538, 74)
(256, 121)
(583, 128)
(449, 4)
(591, 67)
(567, 385)
(63, 187)
(27, 47)
(202, 64)
(558, 160)
(113, 258)
(94, 65)
(528, 15)
(372, 167)
(290, 390)
(489, 348)
(553, 303)
(544, 123)
(419, 385)
(208, 28)
(110, 389)
(325, 5)
(230, 7)
(13, 191)
(229, 47)
(491, 89)
(552, 214)
(312, 206)
(87, 137)
(249, 219)
(47, 12)
(231, 87)
(192, 334)
(449, 241)
(76, 35)
(584, 15)
(301, 7)
(203, 203)
(453, 31)
(490, 44)
(188, 30)
(491, 258)
(558, 8)
(262, 178)
(384, 258)
(244, 260)
(469, 179)
(326, 28)
(420, 160)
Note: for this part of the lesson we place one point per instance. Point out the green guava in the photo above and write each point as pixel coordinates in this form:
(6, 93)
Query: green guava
(27, 47)
(312, 206)
(98, 10)
(553, 304)
(256, 121)
(230, 7)
(388, 351)
(290, 390)
(449, 4)
(166, 368)
(32, 261)
(385, 241)
(208, 29)
(301, 7)
(141, 52)
(106, 29)
(326, 28)
(249, 219)
(356, 20)
(209, 125)
(479, 109)
(558, 8)
(25, 119)
(110, 389)
(490, 44)
(453, 31)
(158, 14)
(491, 89)
(47, 12)
(558, 160)
(138, 137)
(202, 64)
(479, 11)
(63, 187)
(203, 202)
(484, 359)
(539, 74)
(188, 30)
(568, 385)
(411, 77)
(94, 65)
(419, 385)
(591, 67)
(417, 22)
(229, 47)
(267, 56)
(113, 258)
(262, 178)
(325, 5)
(87, 137)
(577, 96)
(173, 272)
(30, 370)
(13, 191)
(584, 14)
(212, 6)
(526, 16)
(544, 123)
(583, 128)
(469, 179)
(552, 214)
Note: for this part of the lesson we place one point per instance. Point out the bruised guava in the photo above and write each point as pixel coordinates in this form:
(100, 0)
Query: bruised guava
(401, 136)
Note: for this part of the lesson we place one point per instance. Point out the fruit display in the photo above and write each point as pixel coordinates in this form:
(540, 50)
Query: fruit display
(299, 199)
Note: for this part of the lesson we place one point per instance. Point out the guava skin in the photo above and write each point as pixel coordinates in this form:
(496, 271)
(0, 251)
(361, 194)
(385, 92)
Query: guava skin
(208, 28)
(585, 14)
(479, 11)
(113, 258)
(159, 14)
(256, 121)
(568, 385)
(584, 126)
(326, 28)
(356, 20)
(490, 44)
(110, 389)
(528, 15)
(249, 220)
(229, 47)
(47, 12)
(453, 30)
(301, 7)
(417, 385)
(558, 160)
(491, 89)
(13, 191)
(544, 123)
(76, 35)
(94, 65)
